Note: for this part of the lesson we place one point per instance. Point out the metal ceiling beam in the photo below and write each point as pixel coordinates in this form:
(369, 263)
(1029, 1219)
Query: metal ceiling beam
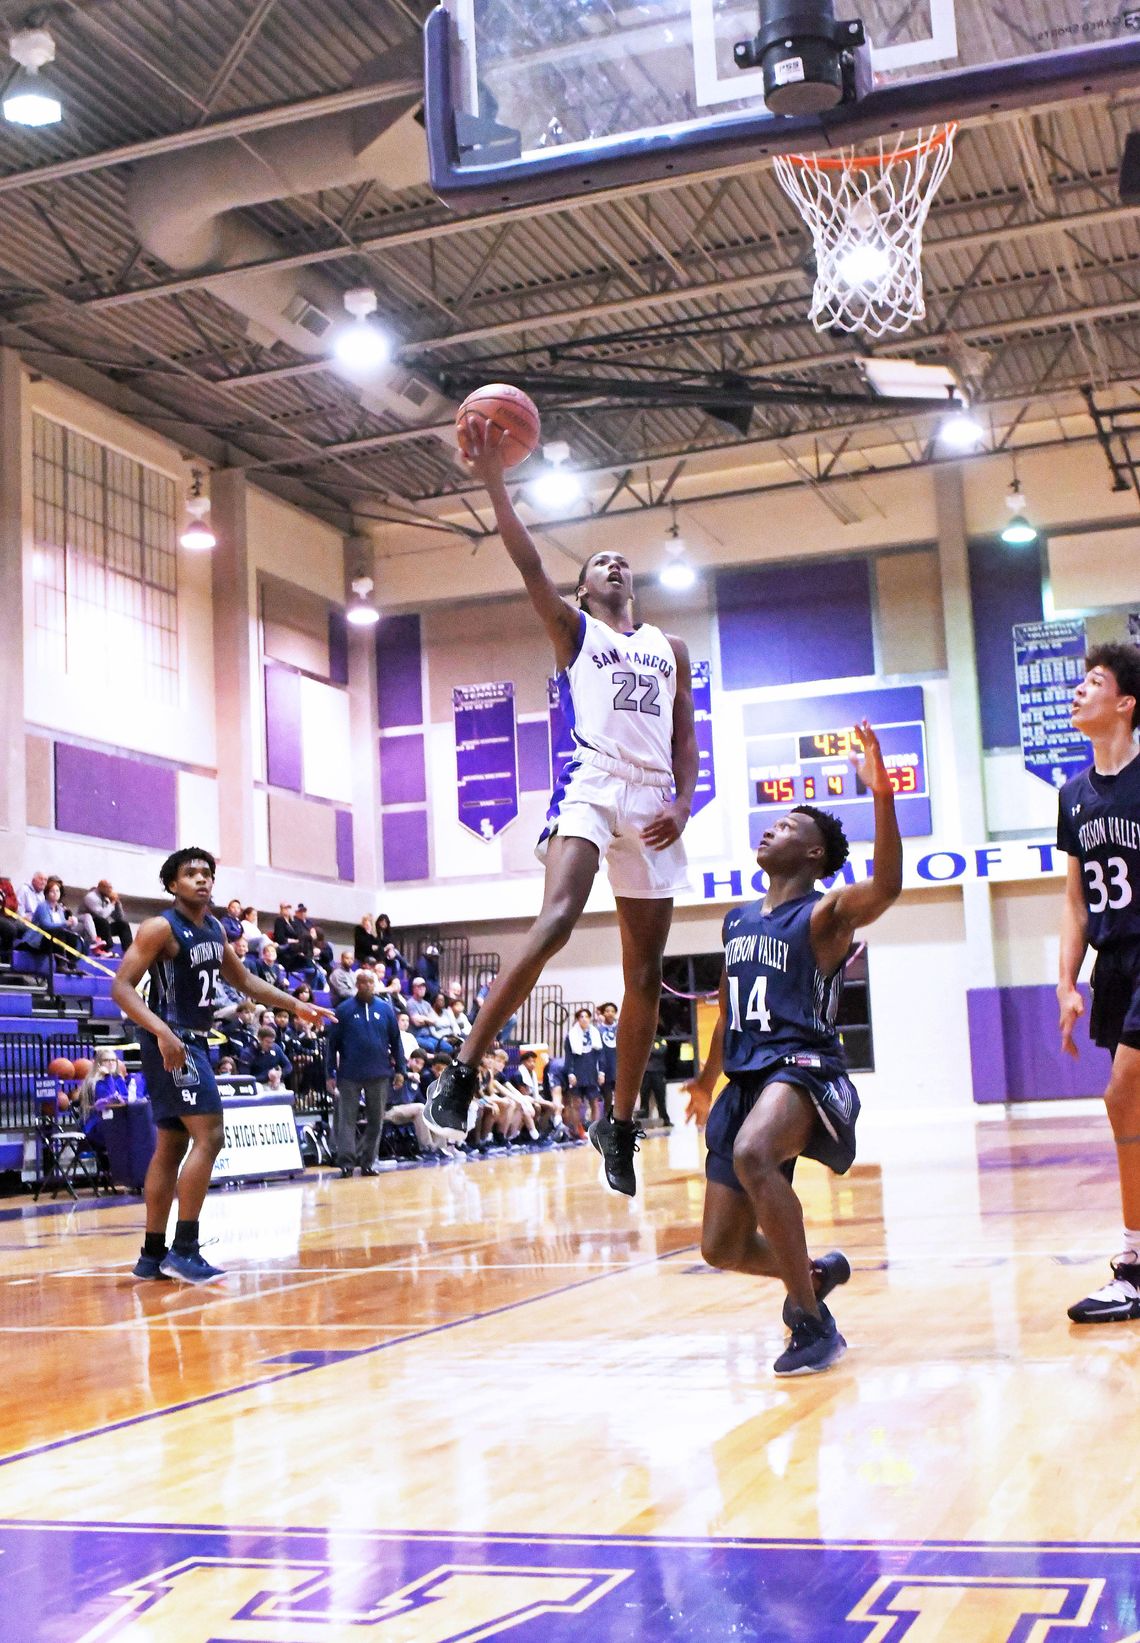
(233, 125)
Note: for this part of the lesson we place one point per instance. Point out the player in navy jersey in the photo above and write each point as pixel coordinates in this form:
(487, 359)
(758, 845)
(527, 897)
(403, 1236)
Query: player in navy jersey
(1098, 826)
(624, 796)
(789, 1095)
(184, 949)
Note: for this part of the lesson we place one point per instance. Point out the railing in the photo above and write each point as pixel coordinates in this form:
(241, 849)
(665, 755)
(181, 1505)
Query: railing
(24, 1059)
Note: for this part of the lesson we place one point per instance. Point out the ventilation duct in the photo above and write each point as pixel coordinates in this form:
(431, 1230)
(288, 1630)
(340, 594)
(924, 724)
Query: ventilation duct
(186, 208)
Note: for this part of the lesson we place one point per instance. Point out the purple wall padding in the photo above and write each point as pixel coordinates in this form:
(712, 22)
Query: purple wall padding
(790, 624)
(283, 728)
(1015, 1048)
(108, 796)
(403, 779)
(405, 845)
(345, 851)
(338, 648)
(399, 689)
(534, 756)
(1005, 587)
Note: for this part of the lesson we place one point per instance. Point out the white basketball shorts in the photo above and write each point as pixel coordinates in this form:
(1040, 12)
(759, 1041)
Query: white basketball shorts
(608, 803)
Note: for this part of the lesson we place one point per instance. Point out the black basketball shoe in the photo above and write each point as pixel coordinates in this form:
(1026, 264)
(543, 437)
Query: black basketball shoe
(449, 1099)
(616, 1139)
(828, 1272)
(1117, 1302)
(816, 1345)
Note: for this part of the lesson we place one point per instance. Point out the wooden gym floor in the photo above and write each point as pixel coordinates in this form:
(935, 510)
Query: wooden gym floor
(493, 1398)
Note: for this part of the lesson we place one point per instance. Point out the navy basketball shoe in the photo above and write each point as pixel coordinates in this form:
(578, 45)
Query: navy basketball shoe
(828, 1273)
(816, 1345)
(449, 1099)
(189, 1267)
(1118, 1301)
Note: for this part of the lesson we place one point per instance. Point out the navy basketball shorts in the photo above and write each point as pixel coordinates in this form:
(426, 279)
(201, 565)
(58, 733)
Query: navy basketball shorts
(186, 1094)
(831, 1093)
(1115, 1016)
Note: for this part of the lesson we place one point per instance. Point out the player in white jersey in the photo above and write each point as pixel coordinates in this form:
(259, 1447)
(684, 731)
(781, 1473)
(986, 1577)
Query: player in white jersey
(624, 798)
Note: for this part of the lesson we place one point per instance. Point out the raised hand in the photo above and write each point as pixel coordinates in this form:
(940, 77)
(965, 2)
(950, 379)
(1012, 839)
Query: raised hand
(311, 1014)
(868, 765)
(479, 445)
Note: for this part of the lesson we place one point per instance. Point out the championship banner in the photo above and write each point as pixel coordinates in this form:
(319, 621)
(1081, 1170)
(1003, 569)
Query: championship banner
(486, 757)
(561, 733)
(1049, 658)
(702, 716)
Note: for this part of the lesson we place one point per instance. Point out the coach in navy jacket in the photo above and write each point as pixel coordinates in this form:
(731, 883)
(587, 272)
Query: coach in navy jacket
(365, 1056)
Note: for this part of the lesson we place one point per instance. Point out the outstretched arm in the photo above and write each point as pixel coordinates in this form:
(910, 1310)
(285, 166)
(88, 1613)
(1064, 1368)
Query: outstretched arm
(839, 915)
(668, 826)
(1074, 945)
(562, 622)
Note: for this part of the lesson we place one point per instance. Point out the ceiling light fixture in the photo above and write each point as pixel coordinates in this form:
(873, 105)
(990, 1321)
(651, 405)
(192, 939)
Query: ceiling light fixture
(29, 98)
(559, 487)
(198, 537)
(362, 613)
(362, 348)
(677, 573)
(960, 431)
(1019, 532)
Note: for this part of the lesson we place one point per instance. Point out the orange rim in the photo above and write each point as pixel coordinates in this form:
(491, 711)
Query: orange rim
(872, 162)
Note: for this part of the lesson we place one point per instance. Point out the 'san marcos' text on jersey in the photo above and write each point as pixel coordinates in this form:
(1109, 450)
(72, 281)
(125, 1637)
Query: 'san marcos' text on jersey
(635, 658)
(779, 1004)
(1099, 822)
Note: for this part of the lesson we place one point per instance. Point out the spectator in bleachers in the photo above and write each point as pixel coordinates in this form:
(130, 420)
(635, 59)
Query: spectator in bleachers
(522, 1110)
(342, 979)
(54, 920)
(425, 1022)
(273, 1081)
(30, 895)
(365, 1060)
(548, 1112)
(268, 1054)
(292, 939)
(411, 1043)
(427, 965)
(101, 912)
(231, 922)
(322, 951)
(9, 927)
(304, 992)
(393, 973)
(250, 929)
(365, 942)
(450, 1032)
(456, 1013)
(105, 1085)
(583, 1053)
(227, 1000)
(265, 964)
(226, 1068)
(414, 1084)
(241, 1034)
(286, 1031)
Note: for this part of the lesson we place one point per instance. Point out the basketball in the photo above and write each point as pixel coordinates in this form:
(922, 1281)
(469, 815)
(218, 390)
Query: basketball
(61, 1067)
(82, 1066)
(506, 408)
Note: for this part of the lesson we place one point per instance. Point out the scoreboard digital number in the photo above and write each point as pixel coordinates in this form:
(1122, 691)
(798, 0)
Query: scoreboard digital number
(813, 766)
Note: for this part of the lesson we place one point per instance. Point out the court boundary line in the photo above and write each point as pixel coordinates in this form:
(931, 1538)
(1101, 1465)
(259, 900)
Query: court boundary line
(362, 1352)
(517, 1538)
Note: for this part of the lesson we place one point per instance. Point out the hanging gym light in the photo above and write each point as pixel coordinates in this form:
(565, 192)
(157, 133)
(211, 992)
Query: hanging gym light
(198, 537)
(30, 99)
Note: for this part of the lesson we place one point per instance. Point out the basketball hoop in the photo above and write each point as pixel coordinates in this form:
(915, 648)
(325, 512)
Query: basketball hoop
(866, 213)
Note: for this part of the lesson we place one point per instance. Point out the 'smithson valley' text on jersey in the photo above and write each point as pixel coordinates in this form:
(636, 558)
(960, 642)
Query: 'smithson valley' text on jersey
(778, 1002)
(618, 695)
(1099, 822)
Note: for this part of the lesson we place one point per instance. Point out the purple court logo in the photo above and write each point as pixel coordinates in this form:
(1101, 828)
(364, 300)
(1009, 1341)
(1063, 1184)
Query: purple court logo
(129, 1583)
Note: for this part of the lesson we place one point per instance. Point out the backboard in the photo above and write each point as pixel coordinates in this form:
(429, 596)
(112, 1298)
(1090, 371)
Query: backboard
(556, 98)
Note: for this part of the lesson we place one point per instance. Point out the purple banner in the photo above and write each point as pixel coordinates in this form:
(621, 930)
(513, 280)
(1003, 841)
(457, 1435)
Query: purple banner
(702, 715)
(561, 723)
(486, 757)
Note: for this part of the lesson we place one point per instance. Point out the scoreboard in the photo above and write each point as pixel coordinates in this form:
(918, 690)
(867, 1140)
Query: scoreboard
(799, 752)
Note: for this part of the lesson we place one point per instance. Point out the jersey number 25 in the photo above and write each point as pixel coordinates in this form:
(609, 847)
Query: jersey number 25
(756, 1010)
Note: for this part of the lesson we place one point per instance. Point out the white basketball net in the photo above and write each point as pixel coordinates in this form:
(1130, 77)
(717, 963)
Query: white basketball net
(866, 213)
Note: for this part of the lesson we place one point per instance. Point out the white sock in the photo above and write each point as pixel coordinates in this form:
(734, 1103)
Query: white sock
(1131, 1241)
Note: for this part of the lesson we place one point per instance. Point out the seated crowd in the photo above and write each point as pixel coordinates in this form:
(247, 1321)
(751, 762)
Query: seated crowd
(521, 1101)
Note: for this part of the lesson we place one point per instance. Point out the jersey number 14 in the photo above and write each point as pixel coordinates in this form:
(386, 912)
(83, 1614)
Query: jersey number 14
(756, 1010)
